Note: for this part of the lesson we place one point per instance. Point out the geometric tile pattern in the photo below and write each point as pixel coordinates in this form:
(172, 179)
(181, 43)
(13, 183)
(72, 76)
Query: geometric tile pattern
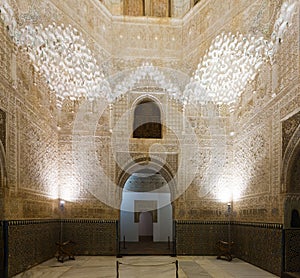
(292, 250)
(260, 245)
(1, 251)
(34, 241)
(199, 237)
(92, 237)
(30, 243)
(256, 243)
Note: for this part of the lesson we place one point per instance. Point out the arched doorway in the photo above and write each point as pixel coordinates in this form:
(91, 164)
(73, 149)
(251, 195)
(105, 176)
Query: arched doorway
(146, 217)
(291, 179)
(291, 188)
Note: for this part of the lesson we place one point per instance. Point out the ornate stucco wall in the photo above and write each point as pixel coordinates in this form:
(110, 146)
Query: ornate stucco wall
(251, 157)
(30, 141)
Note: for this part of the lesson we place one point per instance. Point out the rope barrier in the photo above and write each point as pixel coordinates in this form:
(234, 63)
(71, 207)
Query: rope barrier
(145, 265)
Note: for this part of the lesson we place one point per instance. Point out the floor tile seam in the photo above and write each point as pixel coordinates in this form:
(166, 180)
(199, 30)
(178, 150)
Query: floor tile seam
(212, 268)
(189, 274)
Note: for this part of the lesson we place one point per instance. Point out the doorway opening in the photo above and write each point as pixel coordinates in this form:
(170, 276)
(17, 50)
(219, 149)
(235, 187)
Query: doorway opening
(146, 217)
(145, 226)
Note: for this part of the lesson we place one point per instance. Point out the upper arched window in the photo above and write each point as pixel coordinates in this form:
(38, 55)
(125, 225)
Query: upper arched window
(147, 120)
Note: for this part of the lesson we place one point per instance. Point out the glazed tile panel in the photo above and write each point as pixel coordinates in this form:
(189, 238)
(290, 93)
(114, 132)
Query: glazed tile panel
(31, 242)
(199, 237)
(92, 237)
(259, 244)
(256, 243)
(1, 250)
(292, 250)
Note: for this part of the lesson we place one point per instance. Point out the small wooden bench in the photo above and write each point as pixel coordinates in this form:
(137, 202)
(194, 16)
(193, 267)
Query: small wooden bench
(224, 250)
(65, 249)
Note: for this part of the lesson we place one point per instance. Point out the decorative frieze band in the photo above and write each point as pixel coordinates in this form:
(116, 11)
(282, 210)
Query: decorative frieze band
(93, 221)
(49, 221)
(31, 222)
(251, 224)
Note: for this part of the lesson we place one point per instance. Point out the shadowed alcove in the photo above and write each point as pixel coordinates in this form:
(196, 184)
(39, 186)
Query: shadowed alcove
(147, 120)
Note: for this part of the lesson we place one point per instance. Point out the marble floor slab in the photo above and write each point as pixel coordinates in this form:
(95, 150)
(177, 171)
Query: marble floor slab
(145, 267)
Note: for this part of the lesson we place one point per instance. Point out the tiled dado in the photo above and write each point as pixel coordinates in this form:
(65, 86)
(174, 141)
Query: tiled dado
(259, 244)
(256, 243)
(199, 237)
(1, 250)
(31, 242)
(92, 237)
(292, 250)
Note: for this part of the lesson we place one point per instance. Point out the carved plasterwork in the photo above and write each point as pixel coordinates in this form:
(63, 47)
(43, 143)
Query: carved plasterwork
(289, 127)
(265, 14)
(37, 146)
(241, 146)
(251, 160)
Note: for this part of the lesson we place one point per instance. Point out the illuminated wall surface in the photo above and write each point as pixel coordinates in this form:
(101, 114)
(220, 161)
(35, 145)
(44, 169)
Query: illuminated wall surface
(224, 75)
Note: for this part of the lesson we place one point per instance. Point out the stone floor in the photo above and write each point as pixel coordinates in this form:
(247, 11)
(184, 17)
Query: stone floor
(145, 267)
(146, 248)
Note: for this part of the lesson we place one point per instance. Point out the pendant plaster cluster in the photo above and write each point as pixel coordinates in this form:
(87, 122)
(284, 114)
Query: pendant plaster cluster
(61, 55)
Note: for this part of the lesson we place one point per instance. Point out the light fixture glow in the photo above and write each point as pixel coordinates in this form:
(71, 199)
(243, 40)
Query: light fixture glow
(225, 195)
(60, 54)
(62, 204)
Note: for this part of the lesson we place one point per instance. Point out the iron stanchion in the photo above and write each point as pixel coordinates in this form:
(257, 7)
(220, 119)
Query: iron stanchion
(117, 269)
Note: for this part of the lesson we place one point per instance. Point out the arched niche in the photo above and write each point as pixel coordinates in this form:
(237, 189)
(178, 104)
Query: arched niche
(3, 173)
(294, 175)
(291, 178)
(291, 152)
(147, 122)
(295, 219)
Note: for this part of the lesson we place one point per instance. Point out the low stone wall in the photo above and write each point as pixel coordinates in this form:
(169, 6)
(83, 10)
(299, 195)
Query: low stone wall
(256, 243)
(199, 237)
(92, 237)
(259, 244)
(30, 242)
(292, 250)
(1, 250)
